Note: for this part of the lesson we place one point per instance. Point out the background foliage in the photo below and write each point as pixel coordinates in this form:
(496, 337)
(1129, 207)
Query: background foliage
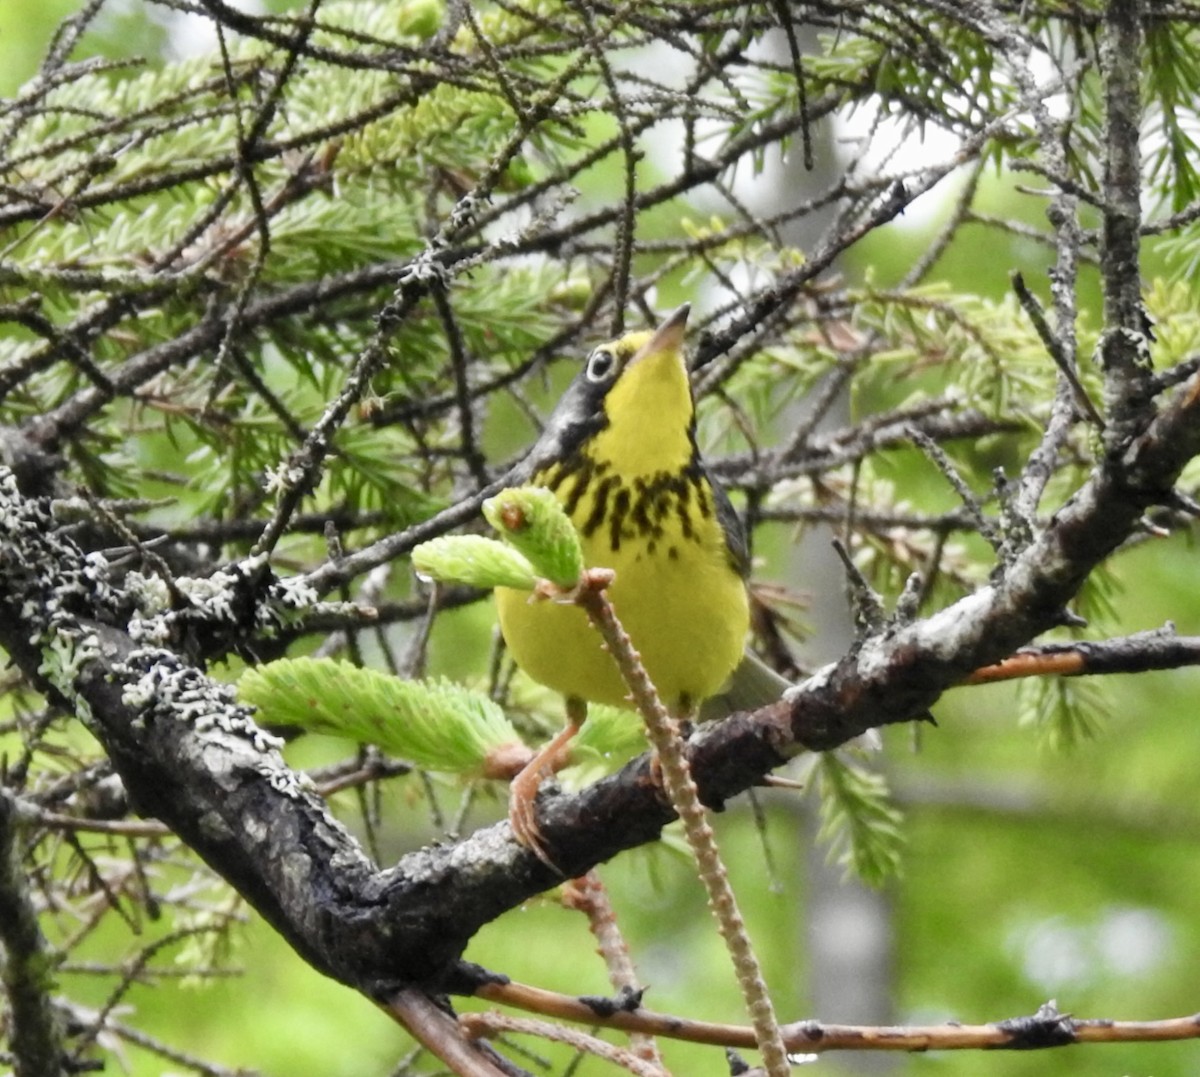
(386, 225)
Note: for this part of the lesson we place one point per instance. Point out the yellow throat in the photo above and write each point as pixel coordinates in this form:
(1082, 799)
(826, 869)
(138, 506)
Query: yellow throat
(620, 455)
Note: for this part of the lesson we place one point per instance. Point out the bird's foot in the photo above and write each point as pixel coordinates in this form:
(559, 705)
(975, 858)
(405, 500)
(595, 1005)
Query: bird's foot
(522, 793)
(522, 813)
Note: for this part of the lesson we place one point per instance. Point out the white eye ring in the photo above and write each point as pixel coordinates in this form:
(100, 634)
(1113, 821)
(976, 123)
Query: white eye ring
(600, 365)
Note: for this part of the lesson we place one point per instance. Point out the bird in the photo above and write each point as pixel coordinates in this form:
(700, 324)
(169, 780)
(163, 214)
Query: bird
(620, 454)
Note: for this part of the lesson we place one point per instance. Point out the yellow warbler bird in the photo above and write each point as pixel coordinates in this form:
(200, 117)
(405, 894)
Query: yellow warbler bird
(620, 454)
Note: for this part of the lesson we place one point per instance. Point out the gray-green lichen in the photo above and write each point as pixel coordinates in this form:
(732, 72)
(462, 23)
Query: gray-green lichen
(66, 600)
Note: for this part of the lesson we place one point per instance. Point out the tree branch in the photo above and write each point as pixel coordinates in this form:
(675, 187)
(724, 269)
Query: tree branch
(1047, 1028)
(435, 1028)
(27, 965)
(1160, 648)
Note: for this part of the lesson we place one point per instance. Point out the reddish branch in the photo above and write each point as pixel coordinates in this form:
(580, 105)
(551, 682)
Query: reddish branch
(1139, 653)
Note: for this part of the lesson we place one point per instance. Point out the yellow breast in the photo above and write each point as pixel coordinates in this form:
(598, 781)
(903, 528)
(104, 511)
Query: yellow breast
(676, 590)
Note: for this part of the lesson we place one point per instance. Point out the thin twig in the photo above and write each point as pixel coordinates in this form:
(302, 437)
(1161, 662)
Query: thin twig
(438, 1032)
(1054, 347)
(589, 895)
(483, 1025)
(1139, 653)
(663, 732)
(1043, 1030)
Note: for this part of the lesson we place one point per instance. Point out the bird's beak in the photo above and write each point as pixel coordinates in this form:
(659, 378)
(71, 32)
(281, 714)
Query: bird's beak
(668, 337)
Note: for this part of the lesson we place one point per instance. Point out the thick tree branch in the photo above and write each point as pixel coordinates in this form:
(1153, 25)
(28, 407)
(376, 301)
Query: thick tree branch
(900, 672)
(1124, 352)
(27, 962)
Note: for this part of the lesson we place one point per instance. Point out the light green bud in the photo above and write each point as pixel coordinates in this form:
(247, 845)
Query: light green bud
(531, 518)
(473, 560)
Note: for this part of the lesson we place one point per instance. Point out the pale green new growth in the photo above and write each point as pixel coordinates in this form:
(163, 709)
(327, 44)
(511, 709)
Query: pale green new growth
(531, 518)
(475, 561)
(861, 826)
(543, 544)
(434, 724)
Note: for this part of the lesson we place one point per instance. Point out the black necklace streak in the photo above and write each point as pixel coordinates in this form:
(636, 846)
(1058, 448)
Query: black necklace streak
(634, 510)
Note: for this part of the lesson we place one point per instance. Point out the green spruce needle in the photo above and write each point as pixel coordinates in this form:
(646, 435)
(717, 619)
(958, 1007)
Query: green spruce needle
(859, 822)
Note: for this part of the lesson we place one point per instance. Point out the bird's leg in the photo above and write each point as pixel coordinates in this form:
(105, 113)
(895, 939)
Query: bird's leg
(522, 792)
(685, 713)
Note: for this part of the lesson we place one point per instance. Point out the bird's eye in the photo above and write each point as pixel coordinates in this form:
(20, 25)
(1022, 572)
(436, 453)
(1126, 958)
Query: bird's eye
(600, 365)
